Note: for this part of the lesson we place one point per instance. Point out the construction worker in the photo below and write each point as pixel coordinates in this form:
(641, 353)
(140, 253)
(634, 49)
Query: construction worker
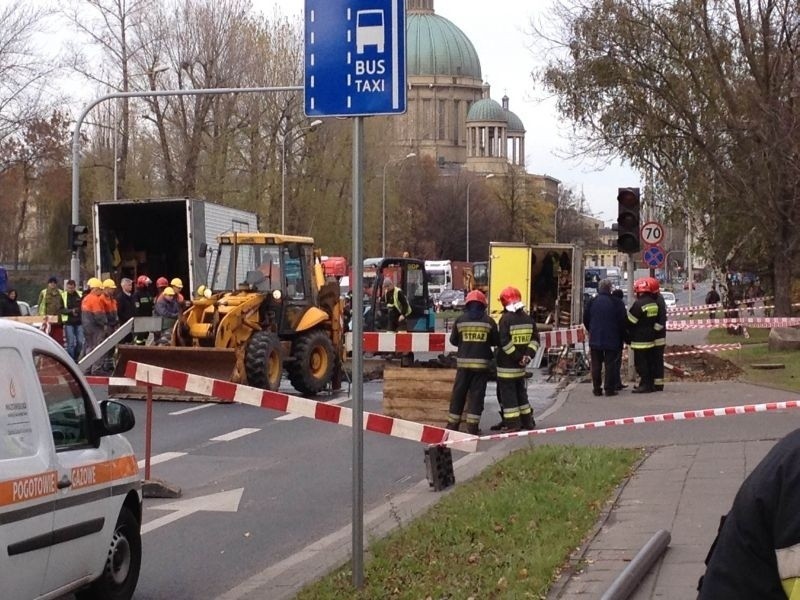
(642, 320)
(72, 320)
(519, 341)
(661, 335)
(475, 334)
(110, 299)
(397, 306)
(94, 318)
(169, 310)
(177, 285)
(51, 304)
(162, 283)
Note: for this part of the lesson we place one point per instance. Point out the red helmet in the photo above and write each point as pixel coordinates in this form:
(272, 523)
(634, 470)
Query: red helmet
(162, 282)
(655, 287)
(510, 295)
(641, 286)
(476, 296)
(143, 281)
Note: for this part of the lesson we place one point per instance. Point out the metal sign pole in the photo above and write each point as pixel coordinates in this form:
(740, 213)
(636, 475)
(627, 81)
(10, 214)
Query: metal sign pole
(357, 360)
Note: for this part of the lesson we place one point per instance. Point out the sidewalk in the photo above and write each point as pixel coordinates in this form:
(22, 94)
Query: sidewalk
(684, 485)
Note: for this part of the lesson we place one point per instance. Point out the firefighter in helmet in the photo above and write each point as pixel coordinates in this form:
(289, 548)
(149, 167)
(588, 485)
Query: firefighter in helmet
(642, 325)
(519, 341)
(661, 335)
(475, 334)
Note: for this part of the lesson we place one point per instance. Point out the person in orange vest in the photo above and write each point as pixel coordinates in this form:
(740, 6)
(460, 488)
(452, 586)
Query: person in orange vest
(94, 318)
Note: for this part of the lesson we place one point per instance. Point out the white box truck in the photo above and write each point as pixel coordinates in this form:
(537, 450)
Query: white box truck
(170, 237)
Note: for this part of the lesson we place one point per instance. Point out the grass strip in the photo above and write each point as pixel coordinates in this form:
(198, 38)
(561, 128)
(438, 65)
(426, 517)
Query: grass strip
(755, 351)
(504, 534)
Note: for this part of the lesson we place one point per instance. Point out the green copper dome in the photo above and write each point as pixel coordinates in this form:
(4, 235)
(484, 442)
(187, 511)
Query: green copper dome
(487, 110)
(435, 46)
(514, 123)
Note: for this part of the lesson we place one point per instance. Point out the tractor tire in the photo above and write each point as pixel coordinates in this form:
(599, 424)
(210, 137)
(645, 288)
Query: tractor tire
(314, 362)
(263, 363)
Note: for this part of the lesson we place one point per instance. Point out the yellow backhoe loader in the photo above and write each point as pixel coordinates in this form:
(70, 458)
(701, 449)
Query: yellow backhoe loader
(267, 308)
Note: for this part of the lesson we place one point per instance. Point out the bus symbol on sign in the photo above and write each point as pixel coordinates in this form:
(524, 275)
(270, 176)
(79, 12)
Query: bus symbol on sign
(652, 233)
(370, 30)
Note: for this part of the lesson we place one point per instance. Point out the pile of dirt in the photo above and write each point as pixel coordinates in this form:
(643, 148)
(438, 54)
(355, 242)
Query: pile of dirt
(701, 366)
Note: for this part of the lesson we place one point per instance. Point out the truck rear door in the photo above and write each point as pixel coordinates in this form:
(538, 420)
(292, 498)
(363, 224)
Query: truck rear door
(509, 265)
(28, 481)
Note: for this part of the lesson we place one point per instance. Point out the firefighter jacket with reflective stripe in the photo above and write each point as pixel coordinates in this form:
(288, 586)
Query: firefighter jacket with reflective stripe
(396, 299)
(661, 322)
(642, 320)
(518, 338)
(757, 551)
(475, 334)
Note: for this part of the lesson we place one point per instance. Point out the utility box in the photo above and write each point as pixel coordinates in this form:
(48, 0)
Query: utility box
(169, 237)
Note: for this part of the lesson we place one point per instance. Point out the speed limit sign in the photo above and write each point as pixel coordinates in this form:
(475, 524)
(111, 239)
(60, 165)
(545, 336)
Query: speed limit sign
(652, 233)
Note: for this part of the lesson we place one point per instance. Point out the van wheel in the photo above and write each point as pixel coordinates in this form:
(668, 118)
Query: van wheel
(263, 363)
(124, 559)
(314, 361)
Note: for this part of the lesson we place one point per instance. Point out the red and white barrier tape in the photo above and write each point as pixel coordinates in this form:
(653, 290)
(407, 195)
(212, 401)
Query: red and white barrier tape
(402, 341)
(706, 348)
(243, 394)
(749, 321)
(472, 445)
(704, 307)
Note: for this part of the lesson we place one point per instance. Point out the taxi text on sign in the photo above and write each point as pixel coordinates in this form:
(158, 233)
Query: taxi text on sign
(355, 57)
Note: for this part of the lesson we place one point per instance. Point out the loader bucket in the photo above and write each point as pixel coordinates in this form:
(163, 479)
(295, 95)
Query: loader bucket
(218, 363)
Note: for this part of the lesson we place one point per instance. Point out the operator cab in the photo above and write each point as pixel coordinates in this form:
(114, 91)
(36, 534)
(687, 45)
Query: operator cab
(410, 276)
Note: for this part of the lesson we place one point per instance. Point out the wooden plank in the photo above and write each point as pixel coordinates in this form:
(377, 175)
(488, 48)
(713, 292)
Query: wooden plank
(420, 395)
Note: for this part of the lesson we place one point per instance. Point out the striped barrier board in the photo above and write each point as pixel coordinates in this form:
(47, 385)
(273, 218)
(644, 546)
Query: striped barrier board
(243, 394)
(121, 381)
(440, 342)
(704, 307)
(475, 444)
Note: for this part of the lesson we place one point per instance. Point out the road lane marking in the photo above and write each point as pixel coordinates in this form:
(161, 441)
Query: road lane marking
(194, 408)
(227, 437)
(220, 502)
(161, 458)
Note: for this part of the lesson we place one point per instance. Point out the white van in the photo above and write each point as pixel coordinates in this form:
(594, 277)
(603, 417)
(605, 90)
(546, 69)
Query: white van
(70, 487)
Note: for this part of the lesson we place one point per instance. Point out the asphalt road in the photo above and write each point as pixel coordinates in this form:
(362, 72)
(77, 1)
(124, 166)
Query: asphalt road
(258, 486)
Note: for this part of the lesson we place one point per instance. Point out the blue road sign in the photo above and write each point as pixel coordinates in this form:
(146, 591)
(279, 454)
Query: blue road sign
(355, 63)
(654, 256)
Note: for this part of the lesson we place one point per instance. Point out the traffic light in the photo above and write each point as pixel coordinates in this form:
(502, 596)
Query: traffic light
(628, 220)
(78, 237)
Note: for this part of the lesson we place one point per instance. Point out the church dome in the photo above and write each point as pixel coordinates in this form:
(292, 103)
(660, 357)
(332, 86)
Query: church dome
(487, 110)
(435, 46)
(514, 123)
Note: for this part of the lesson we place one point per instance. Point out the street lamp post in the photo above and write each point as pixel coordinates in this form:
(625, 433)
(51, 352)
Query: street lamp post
(383, 204)
(489, 176)
(75, 264)
(311, 127)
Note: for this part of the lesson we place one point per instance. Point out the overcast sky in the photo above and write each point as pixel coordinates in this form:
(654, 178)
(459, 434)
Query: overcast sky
(499, 32)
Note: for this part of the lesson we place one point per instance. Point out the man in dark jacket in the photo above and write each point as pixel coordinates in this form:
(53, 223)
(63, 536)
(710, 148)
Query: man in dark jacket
(755, 552)
(474, 333)
(73, 328)
(126, 305)
(605, 320)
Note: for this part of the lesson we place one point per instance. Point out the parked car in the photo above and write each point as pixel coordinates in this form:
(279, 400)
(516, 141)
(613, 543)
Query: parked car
(669, 299)
(450, 300)
(25, 309)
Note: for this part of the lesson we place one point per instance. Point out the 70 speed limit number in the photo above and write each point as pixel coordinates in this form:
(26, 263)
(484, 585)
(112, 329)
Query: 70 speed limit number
(652, 233)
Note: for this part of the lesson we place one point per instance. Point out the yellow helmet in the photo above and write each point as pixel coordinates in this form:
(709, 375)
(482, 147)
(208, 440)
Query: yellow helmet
(109, 283)
(168, 291)
(94, 282)
(176, 282)
(201, 291)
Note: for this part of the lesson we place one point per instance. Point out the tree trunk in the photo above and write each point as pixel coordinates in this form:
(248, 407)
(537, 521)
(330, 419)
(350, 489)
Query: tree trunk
(782, 279)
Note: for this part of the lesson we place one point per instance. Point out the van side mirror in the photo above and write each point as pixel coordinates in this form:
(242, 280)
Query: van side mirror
(117, 418)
